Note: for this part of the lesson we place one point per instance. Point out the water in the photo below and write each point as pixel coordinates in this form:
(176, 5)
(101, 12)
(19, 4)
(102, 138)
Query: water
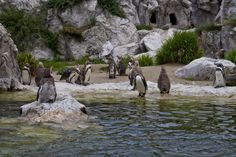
(170, 126)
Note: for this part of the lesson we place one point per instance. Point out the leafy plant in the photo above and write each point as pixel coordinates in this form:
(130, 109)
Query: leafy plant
(62, 4)
(126, 60)
(144, 27)
(112, 6)
(231, 55)
(231, 21)
(208, 27)
(57, 65)
(181, 48)
(26, 57)
(27, 28)
(145, 60)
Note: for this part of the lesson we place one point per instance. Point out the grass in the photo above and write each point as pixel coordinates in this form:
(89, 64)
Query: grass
(231, 21)
(231, 55)
(28, 28)
(59, 65)
(62, 4)
(112, 6)
(208, 28)
(144, 27)
(181, 48)
(26, 57)
(145, 60)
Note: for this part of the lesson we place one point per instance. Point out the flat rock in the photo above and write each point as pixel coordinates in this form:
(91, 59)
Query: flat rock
(64, 109)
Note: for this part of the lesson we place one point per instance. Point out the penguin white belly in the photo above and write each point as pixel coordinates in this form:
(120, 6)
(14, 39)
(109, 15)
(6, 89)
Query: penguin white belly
(219, 80)
(73, 77)
(140, 85)
(87, 76)
(25, 77)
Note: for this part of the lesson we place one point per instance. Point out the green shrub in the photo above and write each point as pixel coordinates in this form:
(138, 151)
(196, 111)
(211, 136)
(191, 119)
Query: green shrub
(208, 28)
(26, 57)
(145, 60)
(126, 60)
(112, 6)
(144, 27)
(25, 28)
(231, 55)
(57, 65)
(62, 4)
(181, 48)
(231, 21)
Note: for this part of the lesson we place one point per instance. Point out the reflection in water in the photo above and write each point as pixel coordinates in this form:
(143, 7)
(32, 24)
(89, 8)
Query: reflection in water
(170, 126)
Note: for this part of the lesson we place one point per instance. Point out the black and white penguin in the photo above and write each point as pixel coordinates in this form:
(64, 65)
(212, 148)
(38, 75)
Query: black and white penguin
(219, 80)
(26, 75)
(87, 72)
(163, 82)
(140, 84)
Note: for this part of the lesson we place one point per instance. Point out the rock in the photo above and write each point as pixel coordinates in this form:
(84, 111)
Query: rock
(65, 109)
(155, 39)
(9, 70)
(129, 49)
(203, 69)
(25, 4)
(204, 11)
(42, 53)
(211, 42)
(106, 49)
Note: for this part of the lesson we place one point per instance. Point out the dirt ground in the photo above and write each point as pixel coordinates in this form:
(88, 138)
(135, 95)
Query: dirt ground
(151, 73)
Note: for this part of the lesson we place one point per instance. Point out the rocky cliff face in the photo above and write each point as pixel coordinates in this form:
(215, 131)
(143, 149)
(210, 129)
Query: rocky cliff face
(9, 69)
(121, 33)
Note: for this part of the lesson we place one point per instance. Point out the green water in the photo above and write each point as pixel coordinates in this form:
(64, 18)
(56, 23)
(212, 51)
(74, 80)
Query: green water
(161, 126)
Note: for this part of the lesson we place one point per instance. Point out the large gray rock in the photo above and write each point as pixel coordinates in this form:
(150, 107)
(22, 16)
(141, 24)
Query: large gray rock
(203, 69)
(204, 11)
(129, 49)
(155, 39)
(9, 70)
(65, 109)
(24, 4)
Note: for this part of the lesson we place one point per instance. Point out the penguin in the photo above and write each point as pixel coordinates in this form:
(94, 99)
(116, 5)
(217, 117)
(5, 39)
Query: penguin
(219, 80)
(121, 66)
(47, 89)
(39, 73)
(66, 74)
(74, 75)
(140, 84)
(26, 75)
(134, 69)
(220, 54)
(87, 72)
(163, 82)
(111, 68)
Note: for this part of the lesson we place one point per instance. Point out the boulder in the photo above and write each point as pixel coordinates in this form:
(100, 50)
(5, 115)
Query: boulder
(65, 109)
(204, 69)
(155, 39)
(9, 69)
(129, 49)
(24, 4)
(106, 49)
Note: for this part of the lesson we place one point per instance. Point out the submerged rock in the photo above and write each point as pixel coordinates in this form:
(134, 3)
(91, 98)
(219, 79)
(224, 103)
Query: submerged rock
(65, 109)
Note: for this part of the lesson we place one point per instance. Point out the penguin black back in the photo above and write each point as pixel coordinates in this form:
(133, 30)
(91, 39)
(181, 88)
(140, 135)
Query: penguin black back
(163, 82)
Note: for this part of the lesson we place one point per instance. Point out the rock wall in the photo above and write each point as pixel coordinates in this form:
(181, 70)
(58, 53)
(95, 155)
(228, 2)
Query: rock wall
(9, 69)
(122, 33)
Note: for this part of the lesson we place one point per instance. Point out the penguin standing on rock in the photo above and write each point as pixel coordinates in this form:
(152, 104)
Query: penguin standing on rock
(26, 75)
(219, 80)
(39, 74)
(163, 82)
